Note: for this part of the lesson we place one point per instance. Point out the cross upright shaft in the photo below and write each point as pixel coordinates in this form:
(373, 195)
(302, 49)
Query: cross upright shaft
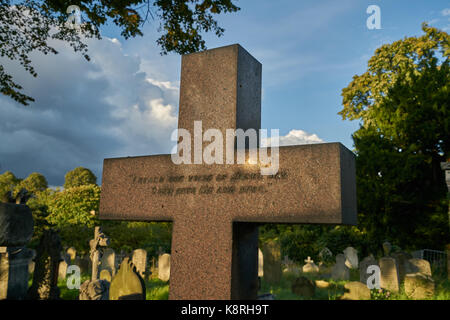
(215, 208)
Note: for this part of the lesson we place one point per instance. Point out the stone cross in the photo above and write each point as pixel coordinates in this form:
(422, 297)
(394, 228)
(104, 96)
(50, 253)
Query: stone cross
(216, 208)
(97, 244)
(309, 260)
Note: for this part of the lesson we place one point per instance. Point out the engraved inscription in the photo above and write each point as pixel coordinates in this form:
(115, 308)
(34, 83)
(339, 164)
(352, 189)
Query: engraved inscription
(238, 182)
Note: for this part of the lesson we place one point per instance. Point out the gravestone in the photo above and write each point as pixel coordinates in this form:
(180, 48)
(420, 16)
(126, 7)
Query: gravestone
(325, 255)
(97, 245)
(355, 290)
(139, 259)
(340, 271)
(272, 261)
(260, 263)
(48, 258)
(105, 275)
(310, 266)
(127, 284)
(62, 269)
(403, 265)
(387, 247)
(365, 263)
(314, 183)
(72, 252)
(16, 229)
(419, 265)
(419, 286)
(303, 287)
(164, 267)
(351, 257)
(108, 261)
(389, 279)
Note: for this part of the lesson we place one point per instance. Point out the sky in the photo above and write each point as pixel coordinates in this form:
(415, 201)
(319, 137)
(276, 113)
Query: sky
(124, 102)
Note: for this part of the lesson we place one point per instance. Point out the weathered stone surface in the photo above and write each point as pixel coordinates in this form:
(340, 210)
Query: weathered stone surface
(419, 265)
(325, 255)
(105, 275)
(164, 267)
(387, 247)
(94, 290)
(389, 279)
(322, 284)
(340, 271)
(14, 276)
(16, 225)
(221, 87)
(351, 258)
(72, 252)
(108, 261)
(356, 290)
(403, 265)
(365, 263)
(304, 287)
(48, 257)
(272, 261)
(260, 263)
(139, 259)
(127, 283)
(62, 269)
(419, 286)
(310, 266)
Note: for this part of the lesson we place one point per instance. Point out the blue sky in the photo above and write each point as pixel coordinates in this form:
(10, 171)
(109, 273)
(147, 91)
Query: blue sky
(125, 101)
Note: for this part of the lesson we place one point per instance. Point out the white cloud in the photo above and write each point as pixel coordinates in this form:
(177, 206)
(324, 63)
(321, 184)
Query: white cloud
(294, 137)
(446, 12)
(84, 112)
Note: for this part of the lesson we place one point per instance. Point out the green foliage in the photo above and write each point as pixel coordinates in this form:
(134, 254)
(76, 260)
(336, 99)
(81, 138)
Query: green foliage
(380, 294)
(28, 25)
(79, 177)
(402, 101)
(34, 183)
(8, 182)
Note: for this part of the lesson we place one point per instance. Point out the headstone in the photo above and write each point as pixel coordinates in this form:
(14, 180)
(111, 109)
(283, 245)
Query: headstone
(72, 252)
(164, 267)
(310, 266)
(127, 284)
(105, 275)
(313, 184)
(389, 279)
(139, 259)
(303, 287)
(97, 245)
(48, 258)
(94, 290)
(387, 247)
(62, 269)
(322, 284)
(351, 258)
(108, 261)
(325, 255)
(419, 265)
(16, 229)
(403, 265)
(340, 271)
(260, 263)
(419, 286)
(272, 261)
(84, 264)
(366, 263)
(356, 290)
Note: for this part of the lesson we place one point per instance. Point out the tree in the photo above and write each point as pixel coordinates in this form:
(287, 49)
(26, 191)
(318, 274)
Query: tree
(402, 101)
(27, 25)
(8, 183)
(79, 177)
(34, 183)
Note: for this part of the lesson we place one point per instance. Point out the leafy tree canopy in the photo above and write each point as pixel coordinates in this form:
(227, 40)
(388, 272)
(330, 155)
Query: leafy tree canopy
(28, 25)
(79, 177)
(402, 101)
(8, 182)
(34, 183)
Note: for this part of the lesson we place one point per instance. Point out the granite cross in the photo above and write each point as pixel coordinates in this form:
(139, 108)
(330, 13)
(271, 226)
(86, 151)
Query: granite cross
(216, 208)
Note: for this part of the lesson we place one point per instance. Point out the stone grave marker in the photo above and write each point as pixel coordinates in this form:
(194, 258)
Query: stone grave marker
(365, 263)
(72, 252)
(108, 261)
(260, 263)
(16, 229)
(351, 257)
(313, 184)
(340, 271)
(164, 267)
(403, 265)
(310, 266)
(389, 278)
(419, 265)
(127, 284)
(139, 259)
(272, 261)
